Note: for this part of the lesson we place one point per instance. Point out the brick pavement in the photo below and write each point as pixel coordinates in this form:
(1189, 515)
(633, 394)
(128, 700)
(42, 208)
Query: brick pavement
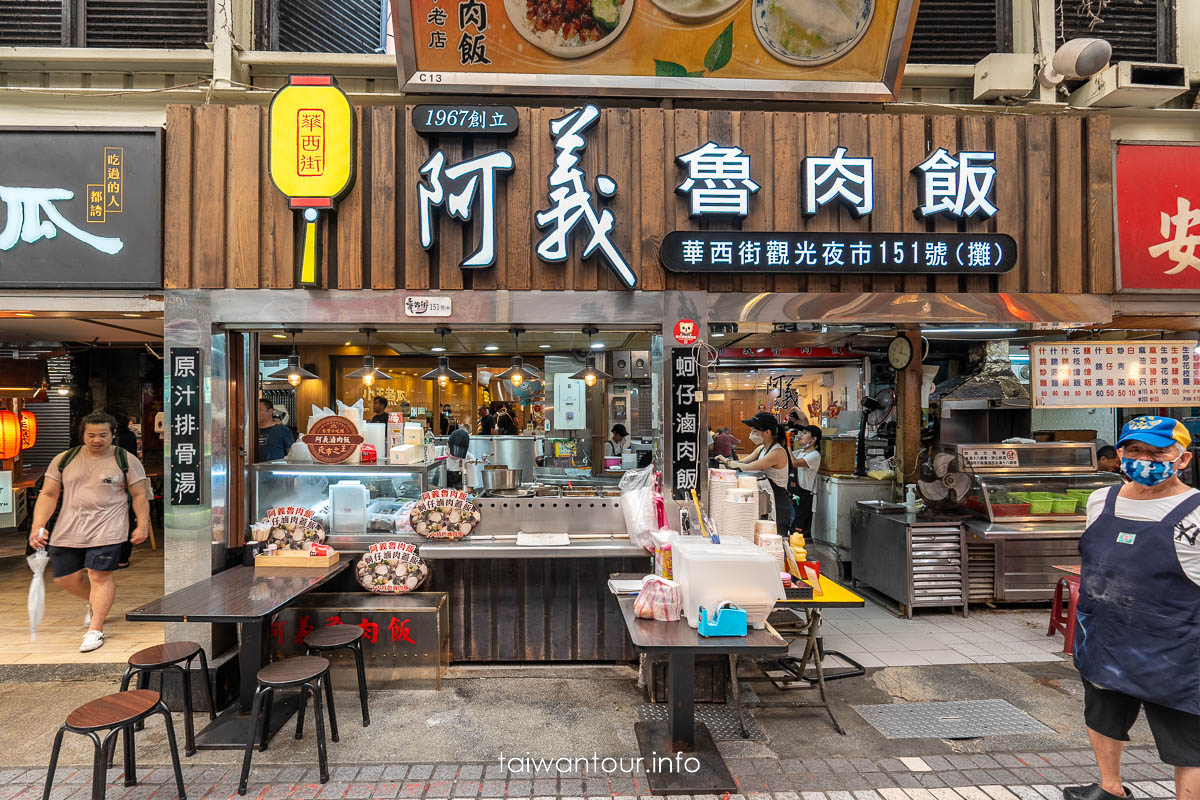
(978, 776)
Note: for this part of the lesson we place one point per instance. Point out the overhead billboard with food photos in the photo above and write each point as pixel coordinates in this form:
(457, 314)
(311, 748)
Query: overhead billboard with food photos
(804, 49)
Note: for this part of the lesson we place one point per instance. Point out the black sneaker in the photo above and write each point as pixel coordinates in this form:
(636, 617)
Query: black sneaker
(1093, 792)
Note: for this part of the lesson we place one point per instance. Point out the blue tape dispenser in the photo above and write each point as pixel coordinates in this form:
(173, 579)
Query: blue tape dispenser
(728, 620)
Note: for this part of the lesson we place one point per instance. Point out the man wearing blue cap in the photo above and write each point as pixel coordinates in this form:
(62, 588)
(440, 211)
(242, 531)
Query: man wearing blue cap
(1137, 640)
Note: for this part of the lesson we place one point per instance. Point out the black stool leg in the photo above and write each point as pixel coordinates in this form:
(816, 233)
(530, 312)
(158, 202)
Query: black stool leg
(268, 701)
(255, 713)
(99, 774)
(58, 737)
(300, 713)
(362, 681)
(212, 704)
(112, 745)
(130, 758)
(189, 730)
(143, 679)
(166, 715)
(322, 759)
(327, 679)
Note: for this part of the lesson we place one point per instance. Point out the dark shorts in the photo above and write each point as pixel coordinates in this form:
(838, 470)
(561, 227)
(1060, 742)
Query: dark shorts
(69, 560)
(1112, 714)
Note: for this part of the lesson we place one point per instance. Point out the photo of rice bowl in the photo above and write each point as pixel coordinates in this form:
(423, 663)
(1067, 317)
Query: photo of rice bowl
(811, 32)
(695, 10)
(569, 28)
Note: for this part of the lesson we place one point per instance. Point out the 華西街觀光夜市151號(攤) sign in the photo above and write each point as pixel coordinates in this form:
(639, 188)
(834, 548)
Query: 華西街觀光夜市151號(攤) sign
(81, 208)
(805, 49)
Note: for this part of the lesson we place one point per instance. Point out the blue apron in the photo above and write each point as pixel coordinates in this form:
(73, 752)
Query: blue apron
(1138, 629)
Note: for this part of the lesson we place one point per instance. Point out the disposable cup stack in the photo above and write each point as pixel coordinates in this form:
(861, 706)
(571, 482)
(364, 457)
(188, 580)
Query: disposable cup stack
(740, 513)
(720, 483)
(747, 482)
(762, 527)
(773, 544)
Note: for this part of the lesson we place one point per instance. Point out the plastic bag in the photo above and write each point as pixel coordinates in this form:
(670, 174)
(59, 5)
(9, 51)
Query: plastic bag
(660, 598)
(638, 507)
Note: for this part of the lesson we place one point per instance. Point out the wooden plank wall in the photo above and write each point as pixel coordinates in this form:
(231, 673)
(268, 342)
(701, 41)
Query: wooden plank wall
(228, 227)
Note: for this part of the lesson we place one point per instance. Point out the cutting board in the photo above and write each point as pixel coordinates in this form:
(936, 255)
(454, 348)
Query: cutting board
(297, 558)
(542, 539)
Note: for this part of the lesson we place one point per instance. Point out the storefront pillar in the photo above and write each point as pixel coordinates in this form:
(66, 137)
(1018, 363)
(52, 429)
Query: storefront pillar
(908, 406)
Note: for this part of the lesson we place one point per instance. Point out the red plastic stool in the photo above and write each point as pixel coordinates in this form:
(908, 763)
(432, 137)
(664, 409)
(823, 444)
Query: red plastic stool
(1061, 620)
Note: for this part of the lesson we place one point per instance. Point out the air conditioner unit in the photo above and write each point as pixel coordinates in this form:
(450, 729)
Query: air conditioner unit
(1132, 83)
(826, 379)
(1004, 75)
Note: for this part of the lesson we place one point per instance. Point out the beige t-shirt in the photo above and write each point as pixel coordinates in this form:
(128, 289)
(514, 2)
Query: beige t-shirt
(94, 502)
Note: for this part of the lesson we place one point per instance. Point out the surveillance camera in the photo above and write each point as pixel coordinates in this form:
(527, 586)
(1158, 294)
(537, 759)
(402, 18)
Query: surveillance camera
(1078, 58)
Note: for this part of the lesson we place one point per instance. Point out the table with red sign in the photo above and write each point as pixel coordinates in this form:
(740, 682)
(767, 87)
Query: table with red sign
(248, 596)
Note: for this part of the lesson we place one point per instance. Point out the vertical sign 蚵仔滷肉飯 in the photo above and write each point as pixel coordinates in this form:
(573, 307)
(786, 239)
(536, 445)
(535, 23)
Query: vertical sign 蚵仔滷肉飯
(183, 425)
(685, 421)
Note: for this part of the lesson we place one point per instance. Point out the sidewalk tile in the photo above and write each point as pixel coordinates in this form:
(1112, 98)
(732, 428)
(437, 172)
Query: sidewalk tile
(920, 794)
(333, 790)
(466, 789)
(569, 786)
(1081, 758)
(1150, 789)
(372, 774)
(521, 787)
(930, 780)
(937, 762)
(413, 789)
(789, 765)
(878, 780)
(360, 791)
(999, 793)
(977, 776)
(278, 791)
(840, 766)
(305, 791)
(866, 794)
(839, 795)
(892, 794)
(1008, 760)
(1026, 793)
(1048, 792)
(889, 765)
(816, 766)
(342, 774)
(778, 796)
(472, 772)
(445, 772)
(863, 764)
(385, 791)
(442, 789)
(813, 796)
(286, 775)
(961, 761)
(916, 764)
(947, 794)
(1057, 759)
(420, 772)
(222, 791)
(971, 793)
(543, 787)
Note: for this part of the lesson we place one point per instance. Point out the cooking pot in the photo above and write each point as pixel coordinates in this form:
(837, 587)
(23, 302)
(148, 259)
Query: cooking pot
(498, 476)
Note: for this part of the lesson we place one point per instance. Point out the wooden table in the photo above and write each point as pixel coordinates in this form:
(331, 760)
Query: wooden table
(247, 596)
(1070, 569)
(681, 740)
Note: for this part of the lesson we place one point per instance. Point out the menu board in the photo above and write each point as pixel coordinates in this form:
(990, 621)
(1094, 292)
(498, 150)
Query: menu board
(1114, 375)
(183, 422)
(685, 426)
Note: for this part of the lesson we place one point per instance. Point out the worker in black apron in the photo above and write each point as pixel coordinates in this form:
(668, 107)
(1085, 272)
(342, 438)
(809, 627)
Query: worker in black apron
(770, 458)
(1137, 638)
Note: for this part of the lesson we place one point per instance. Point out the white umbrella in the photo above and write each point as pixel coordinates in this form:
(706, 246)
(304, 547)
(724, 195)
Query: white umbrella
(37, 590)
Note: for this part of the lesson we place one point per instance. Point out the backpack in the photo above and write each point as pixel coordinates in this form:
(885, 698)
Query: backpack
(122, 457)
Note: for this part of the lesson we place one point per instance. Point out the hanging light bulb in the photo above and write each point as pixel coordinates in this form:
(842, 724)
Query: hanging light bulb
(63, 390)
(367, 372)
(590, 374)
(293, 373)
(442, 372)
(518, 372)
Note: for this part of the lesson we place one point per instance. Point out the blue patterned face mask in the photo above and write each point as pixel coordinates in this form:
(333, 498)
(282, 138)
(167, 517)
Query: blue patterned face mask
(1147, 473)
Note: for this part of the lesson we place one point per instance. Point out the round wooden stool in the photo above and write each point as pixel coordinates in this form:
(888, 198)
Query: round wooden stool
(337, 637)
(175, 656)
(308, 673)
(114, 714)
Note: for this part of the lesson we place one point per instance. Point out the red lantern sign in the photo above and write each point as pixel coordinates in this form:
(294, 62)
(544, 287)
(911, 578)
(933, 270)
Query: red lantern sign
(28, 429)
(10, 434)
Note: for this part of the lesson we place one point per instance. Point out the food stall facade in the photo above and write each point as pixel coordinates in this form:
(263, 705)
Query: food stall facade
(394, 248)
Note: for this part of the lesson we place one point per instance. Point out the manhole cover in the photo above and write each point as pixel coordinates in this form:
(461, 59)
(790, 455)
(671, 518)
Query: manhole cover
(966, 719)
(721, 720)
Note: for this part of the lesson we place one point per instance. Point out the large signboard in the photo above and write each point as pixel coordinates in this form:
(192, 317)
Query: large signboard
(82, 208)
(1158, 218)
(184, 423)
(843, 49)
(1115, 375)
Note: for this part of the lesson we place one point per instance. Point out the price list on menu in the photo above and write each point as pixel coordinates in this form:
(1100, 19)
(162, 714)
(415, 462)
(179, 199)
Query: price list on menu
(1107, 374)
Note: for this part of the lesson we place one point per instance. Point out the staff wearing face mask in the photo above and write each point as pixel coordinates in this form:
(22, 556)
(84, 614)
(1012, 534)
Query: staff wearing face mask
(1137, 640)
(805, 458)
(771, 458)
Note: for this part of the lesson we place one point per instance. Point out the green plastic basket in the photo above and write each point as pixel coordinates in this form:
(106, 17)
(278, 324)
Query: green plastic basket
(1037, 506)
(1063, 505)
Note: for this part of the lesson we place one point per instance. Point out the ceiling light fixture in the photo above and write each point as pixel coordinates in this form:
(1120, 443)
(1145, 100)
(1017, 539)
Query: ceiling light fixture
(293, 373)
(597, 346)
(24, 314)
(591, 374)
(278, 335)
(442, 373)
(971, 330)
(129, 314)
(491, 348)
(367, 372)
(518, 372)
(544, 346)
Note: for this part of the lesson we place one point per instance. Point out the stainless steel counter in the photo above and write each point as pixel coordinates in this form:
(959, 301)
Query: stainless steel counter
(982, 529)
(916, 560)
(507, 547)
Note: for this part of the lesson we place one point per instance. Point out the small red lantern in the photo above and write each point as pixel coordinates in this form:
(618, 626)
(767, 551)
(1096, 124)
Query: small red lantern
(10, 434)
(28, 429)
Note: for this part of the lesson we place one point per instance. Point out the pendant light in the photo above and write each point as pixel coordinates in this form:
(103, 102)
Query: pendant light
(10, 434)
(293, 373)
(442, 373)
(367, 372)
(518, 373)
(591, 374)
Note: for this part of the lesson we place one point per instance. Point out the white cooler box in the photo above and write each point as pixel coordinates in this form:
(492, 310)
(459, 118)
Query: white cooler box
(735, 571)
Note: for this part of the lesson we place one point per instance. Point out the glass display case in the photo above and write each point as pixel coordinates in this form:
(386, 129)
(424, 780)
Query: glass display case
(358, 504)
(1035, 497)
